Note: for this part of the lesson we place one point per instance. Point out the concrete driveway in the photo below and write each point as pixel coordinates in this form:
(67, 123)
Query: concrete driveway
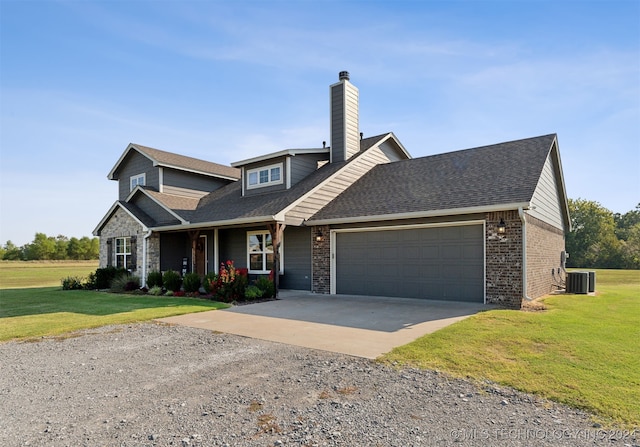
(361, 326)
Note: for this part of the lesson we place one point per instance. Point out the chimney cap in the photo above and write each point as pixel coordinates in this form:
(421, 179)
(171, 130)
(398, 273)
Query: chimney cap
(344, 75)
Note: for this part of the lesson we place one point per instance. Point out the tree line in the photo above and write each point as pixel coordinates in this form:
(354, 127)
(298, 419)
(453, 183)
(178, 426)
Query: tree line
(601, 239)
(44, 248)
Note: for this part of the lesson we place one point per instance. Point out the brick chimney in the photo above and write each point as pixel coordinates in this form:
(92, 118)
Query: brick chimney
(345, 134)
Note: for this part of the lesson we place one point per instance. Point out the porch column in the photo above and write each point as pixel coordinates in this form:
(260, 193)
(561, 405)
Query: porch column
(276, 229)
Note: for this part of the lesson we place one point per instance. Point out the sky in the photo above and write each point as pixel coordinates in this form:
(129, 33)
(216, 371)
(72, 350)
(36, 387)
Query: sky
(228, 80)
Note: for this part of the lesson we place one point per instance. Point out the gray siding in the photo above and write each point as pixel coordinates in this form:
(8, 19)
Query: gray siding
(297, 258)
(188, 184)
(344, 178)
(153, 210)
(233, 246)
(303, 165)
(546, 197)
(337, 120)
(134, 164)
(280, 187)
(345, 134)
(174, 247)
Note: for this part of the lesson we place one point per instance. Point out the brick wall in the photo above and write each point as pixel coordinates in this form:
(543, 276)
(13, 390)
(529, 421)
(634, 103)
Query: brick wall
(321, 262)
(504, 260)
(544, 245)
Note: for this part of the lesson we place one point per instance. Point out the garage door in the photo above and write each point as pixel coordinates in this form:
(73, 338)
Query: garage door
(439, 263)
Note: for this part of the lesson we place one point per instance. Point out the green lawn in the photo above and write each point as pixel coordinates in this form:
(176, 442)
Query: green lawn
(50, 310)
(583, 350)
(18, 274)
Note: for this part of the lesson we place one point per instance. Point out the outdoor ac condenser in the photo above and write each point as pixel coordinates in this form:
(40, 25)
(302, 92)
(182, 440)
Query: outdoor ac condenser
(578, 282)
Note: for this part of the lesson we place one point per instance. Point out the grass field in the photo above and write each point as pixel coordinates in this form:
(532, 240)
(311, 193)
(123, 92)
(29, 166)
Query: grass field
(583, 350)
(29, 309)
(19, 274)
(51, 311)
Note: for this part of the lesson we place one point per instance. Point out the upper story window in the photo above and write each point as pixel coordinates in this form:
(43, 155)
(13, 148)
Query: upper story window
(264, 176)
(136, 180)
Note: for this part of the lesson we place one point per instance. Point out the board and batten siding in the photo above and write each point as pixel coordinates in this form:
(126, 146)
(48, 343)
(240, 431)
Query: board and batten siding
(546, 197)
(135, 164)
(337, 184)
(188, 184)
(297, 258)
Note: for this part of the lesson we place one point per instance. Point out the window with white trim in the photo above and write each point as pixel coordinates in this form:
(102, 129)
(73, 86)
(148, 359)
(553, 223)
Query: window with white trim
(264, 176)
(259, 252)
(123, 252)
(136, 180)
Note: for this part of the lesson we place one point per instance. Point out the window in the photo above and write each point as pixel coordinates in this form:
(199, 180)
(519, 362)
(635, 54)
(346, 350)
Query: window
(123, 252)
(264, 176)
(137, 180)
(259, 251)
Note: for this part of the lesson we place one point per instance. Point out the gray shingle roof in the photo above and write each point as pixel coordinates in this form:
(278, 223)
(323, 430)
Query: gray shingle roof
(193, 164)
(227, 202)
(490, 175)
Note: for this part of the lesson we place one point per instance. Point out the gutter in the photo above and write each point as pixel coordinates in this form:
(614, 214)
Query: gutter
(420, 214)
(524, 255)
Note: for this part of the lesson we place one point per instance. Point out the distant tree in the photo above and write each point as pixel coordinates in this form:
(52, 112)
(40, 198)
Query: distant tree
(42, 248)
(592, 241)
(625, 222)
(631, 248)
(11, 252)
(60, 247)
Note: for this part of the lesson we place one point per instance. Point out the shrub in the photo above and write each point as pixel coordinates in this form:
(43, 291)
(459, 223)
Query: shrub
(172, 280)
(209, 278)
(169, 293)
(267, 286)
(229, 285)
(104, 276)
(155, 290)
(154, 278)
(252, 292)
(191, 282)
(73, 283)
(125, 283)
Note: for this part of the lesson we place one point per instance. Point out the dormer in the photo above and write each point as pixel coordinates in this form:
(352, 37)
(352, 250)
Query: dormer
(168, 173)
(279, 171)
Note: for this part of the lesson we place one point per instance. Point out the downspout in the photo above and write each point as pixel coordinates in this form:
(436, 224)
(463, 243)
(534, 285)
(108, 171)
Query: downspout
(145, 241)
(524, 255)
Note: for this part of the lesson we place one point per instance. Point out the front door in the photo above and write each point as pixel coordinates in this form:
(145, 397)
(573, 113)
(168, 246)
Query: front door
(201, 256)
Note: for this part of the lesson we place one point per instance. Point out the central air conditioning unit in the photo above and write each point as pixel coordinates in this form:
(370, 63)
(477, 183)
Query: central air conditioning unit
(578, 282)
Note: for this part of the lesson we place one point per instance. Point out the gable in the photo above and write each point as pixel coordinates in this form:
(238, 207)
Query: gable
(549, 198)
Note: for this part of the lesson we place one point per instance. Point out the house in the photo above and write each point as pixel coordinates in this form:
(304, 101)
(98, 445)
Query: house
(360, 216)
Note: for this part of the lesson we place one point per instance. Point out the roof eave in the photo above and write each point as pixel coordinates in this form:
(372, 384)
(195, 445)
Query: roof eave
(282, 153)
(218, 223)
(421, 214)
(108, 215)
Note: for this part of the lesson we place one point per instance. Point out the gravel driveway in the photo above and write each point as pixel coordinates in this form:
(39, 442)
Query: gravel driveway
(159, 385)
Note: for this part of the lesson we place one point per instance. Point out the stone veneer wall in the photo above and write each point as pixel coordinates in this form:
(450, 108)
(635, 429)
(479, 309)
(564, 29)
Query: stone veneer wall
(153, 253)
(504, 260)
(121, 224)
(321, 261)
(544, 245)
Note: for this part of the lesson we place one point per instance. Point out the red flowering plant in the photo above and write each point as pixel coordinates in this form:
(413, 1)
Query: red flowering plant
(229, 284)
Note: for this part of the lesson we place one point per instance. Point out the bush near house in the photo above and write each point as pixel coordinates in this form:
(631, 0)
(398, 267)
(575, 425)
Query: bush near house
(172, 280)
(230, 284)
(154, 279)
(191, 282)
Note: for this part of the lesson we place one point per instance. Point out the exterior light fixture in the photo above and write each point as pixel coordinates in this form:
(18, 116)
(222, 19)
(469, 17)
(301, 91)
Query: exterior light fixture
(319, 236)
(502, 227)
